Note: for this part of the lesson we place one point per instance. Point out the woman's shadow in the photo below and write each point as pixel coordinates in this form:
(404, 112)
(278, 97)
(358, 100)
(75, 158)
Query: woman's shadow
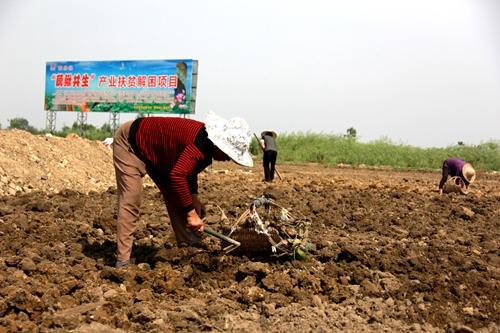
(105, 253)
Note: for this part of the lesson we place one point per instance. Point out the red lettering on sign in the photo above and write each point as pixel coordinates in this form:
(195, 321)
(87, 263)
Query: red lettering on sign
(112, 81)
(141, 81)
(76, 80)
(102, 80)
(162, 81)
(121, 81)
(85, 81)
(59, 80)
(67, 80)
(172, 82)
(131, 81)
(152, 81)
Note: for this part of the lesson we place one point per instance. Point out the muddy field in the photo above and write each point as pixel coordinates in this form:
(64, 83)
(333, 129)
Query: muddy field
(391, 255)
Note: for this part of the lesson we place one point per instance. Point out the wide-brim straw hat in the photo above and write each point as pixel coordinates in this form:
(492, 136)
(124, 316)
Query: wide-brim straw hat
(232, 136)
(469, 172)
(272, 133)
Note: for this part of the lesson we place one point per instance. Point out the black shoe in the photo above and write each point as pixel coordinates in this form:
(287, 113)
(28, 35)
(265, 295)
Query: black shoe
(122, 263)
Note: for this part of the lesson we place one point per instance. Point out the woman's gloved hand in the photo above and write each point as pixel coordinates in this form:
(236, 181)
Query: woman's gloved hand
(198, 206)
(194, 222)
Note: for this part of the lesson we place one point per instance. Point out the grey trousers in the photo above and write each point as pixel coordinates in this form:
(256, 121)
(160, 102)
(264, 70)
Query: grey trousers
(129, 171)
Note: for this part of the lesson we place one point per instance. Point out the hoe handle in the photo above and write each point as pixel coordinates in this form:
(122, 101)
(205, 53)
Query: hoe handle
(213, 233)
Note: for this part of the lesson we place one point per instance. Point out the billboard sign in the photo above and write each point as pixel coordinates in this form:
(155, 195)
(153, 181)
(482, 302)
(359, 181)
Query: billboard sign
(142, 86)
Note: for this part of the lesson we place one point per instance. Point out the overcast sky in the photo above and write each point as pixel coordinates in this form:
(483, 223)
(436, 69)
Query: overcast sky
(422, 72)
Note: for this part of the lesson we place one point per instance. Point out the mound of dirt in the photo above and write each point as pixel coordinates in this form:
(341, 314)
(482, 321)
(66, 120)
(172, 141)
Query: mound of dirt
(391, 255)
(50, 164)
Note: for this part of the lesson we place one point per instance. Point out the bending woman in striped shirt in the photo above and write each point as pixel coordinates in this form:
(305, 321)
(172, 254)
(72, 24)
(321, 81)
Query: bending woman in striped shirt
(172, 151)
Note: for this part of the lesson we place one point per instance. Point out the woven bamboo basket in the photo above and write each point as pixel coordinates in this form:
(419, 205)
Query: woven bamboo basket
(253, 243)
(268, 229)
(455, 185)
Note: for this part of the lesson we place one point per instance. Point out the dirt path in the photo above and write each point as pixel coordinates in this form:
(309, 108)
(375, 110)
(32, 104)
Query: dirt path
(391, 254)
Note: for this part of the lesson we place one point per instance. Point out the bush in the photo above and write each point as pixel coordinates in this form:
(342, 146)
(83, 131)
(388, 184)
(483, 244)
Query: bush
(88, 131)
(21, 124)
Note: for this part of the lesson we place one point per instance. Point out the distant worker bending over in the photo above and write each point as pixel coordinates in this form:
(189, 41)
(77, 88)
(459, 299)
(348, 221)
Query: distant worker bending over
(455, 167)
(270, 153)
(172, 151)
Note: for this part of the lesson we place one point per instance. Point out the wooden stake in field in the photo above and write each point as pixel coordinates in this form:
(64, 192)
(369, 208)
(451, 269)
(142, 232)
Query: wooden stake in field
(262, 149)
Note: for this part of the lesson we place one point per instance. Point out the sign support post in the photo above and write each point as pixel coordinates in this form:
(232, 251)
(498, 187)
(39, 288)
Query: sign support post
(81, 118)
(50, 121)
(114, 120)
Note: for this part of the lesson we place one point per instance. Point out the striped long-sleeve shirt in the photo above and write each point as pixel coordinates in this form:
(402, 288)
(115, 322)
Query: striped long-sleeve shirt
(174, 150)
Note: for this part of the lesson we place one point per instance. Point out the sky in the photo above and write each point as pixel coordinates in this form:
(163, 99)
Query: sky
(416, 72)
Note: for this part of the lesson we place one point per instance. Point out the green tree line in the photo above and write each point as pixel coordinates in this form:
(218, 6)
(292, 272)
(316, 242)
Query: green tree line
(330, 149)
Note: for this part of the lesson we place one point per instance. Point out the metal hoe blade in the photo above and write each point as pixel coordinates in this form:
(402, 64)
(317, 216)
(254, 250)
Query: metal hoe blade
(233, 244)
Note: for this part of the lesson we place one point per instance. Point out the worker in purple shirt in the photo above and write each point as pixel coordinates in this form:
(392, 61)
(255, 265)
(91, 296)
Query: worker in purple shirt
(455, 167)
